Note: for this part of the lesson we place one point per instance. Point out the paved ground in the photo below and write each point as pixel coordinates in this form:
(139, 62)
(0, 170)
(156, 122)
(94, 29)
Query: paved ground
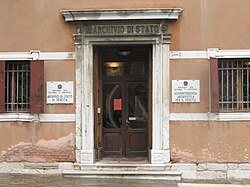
(210, 185)
(18, 180)
(12, 180)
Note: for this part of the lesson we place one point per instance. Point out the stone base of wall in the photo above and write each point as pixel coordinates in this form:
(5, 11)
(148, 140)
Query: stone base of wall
(35, 168)
(213, 171)
(220, 172)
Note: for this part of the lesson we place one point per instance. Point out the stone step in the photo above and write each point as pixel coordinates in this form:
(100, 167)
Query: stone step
(153, 175)
(126, 167)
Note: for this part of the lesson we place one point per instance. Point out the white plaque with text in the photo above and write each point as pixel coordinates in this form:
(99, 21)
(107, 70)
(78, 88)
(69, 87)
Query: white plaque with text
(60, 92)
(185, 91)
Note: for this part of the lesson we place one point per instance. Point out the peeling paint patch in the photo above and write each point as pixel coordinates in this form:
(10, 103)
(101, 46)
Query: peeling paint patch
(181, 156)
(57, 144)
(60, 150)
(178, 155)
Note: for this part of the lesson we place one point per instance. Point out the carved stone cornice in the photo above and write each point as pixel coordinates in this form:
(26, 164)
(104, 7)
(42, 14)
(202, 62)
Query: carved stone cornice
(121, 14)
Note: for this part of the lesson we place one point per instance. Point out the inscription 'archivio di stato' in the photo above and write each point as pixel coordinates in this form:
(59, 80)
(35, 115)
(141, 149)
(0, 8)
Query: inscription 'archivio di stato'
(123, 29)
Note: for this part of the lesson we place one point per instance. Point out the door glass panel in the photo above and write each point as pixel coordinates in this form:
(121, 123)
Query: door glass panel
(112, 103)
(137, 106)
(125, 61)
(119, 68)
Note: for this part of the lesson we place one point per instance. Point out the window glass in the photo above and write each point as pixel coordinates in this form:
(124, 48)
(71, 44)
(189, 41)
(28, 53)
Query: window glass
(124, 61)
(112, 102)
(113, 69)
(17, 86)
(137, 106)
(234, 88)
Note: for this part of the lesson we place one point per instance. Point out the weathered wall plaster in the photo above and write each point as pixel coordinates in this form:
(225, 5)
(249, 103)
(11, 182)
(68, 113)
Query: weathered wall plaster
(37, 142)
(59, 71)
(191, 69)
(209, 141)
(203, 23)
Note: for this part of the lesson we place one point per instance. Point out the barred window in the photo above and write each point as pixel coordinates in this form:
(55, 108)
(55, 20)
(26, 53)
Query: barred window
(17, 86)
(234, 89)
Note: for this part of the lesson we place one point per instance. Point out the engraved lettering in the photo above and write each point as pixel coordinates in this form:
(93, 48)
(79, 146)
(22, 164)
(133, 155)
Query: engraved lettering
(122, 29)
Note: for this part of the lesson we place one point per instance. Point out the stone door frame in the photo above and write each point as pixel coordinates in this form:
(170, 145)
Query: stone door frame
(85, 96)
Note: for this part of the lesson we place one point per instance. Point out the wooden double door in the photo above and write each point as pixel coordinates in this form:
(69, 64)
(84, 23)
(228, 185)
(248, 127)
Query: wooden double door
(122, 101)
(125, 121)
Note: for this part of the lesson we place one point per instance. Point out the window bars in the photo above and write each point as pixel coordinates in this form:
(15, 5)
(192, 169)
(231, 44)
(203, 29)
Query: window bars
(234, 89)
(17, 86)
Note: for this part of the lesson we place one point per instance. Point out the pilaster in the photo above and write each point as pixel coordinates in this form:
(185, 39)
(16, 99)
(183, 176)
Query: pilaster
(160, 149)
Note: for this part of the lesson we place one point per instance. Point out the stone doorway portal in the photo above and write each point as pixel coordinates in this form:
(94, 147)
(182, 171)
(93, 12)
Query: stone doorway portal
(121, 27)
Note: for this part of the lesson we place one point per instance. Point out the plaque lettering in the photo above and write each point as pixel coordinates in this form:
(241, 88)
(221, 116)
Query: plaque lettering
(121, 29)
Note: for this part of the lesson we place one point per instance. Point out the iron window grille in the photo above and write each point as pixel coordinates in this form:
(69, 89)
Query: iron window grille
(17, 86)
(234, 88)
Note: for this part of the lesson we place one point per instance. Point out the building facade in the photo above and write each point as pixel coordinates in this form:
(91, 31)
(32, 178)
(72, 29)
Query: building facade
(167, 81)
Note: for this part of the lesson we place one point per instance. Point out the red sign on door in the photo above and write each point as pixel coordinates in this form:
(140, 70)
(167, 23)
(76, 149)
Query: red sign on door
(117, 104)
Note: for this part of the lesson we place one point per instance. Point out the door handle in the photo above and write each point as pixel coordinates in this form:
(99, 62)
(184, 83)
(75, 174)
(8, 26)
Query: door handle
(127, 123)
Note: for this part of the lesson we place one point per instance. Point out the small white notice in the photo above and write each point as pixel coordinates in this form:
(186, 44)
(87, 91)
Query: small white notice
(132, 118)
(185, 91)
(60, 92)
